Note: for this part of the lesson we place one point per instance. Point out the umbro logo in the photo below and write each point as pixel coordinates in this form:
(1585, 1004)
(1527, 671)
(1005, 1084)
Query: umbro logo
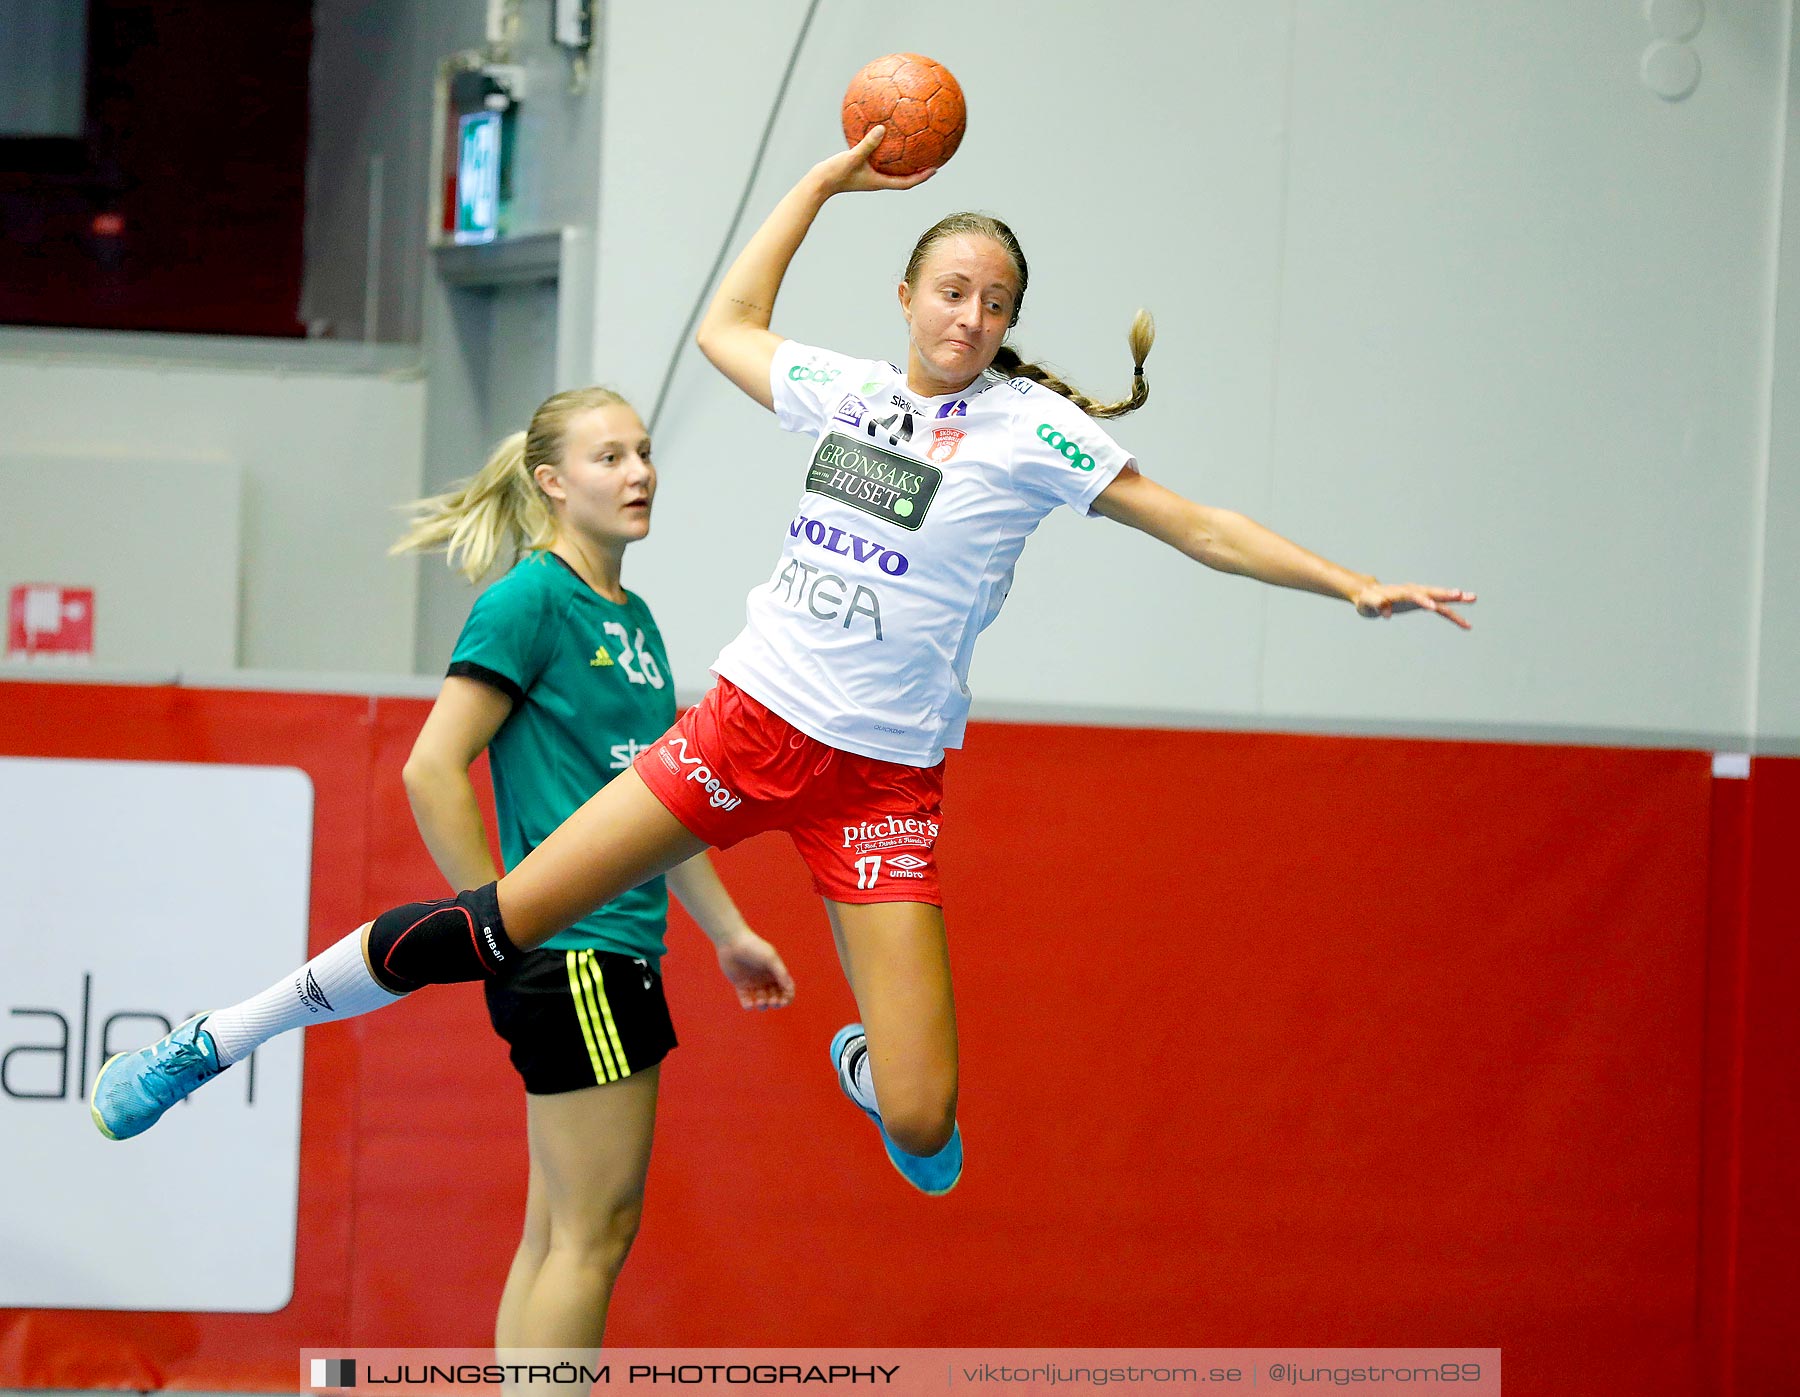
(312, 994)
(906, 861)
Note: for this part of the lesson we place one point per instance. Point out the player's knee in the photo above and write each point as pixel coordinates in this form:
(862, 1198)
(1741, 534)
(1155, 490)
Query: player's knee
(622, 1228)
(440, 943)
(600, 1238)
(921, 1125)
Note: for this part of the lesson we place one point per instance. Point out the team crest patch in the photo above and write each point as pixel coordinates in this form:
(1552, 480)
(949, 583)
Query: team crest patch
(944, 442)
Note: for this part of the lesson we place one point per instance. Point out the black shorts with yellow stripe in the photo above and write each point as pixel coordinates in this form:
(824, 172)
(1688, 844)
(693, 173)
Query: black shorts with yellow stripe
(575, 1019)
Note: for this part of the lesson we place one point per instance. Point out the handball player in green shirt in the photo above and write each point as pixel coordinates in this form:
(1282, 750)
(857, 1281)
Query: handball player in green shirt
(560, 674)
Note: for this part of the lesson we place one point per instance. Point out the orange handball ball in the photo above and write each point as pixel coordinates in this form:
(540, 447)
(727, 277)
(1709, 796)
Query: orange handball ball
(918, 101)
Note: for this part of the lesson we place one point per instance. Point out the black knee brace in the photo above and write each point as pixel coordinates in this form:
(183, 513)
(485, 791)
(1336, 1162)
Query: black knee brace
(441, 943)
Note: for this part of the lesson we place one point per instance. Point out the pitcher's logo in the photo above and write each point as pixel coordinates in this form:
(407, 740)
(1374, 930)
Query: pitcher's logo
(944, 441)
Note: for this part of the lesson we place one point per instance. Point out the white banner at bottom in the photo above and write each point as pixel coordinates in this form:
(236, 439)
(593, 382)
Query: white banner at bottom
(979, 1372)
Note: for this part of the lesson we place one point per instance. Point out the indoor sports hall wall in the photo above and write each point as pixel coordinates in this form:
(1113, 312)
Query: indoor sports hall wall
(1449, 296)
(1444, 292)
(313, 446)
(1268, 1040)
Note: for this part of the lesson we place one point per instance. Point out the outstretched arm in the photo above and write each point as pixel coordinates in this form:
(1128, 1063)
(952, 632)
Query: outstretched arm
(735, 332)
(1230, 542)
(751, 964)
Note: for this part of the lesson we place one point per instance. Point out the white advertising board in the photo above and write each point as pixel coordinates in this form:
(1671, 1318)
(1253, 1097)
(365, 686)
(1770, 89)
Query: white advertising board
(138, 893)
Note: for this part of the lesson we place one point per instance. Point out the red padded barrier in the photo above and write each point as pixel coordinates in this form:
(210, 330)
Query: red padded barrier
(440, 1175)
(1728, 890)
(1266, 1040)
(1766, 1283)
(325, 736)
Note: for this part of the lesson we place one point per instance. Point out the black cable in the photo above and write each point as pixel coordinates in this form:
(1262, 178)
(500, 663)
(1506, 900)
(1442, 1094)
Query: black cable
(762, 147)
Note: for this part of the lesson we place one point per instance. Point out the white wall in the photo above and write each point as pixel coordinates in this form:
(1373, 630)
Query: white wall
(1445, 292)
(166, 596)
(373, 63)
(327, 443)
(373, 66)
(1777, 610)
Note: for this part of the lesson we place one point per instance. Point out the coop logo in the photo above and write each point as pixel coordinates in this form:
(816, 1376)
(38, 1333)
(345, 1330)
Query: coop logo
(850, 411)
(811, 373)
(847, 545)
(716, 793)
(62, 1046)
(893, 832)
(881, 483)
(1070, 451)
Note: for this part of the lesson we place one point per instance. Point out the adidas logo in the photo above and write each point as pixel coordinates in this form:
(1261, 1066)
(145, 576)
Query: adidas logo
(601, 659)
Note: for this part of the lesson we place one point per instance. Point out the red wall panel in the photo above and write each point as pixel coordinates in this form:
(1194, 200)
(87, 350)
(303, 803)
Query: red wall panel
(1267, 1040)
(1766, 1281)
(323, 735)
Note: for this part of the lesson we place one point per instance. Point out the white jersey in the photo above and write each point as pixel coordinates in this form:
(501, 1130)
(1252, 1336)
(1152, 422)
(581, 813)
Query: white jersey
(902, 549)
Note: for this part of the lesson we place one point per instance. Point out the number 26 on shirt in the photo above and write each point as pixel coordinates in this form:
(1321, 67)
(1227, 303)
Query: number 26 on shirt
(636, 660)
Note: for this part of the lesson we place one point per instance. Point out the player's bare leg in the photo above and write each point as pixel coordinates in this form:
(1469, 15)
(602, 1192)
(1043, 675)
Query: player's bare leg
(900, 1063)
(621, 837)
(590, 1153)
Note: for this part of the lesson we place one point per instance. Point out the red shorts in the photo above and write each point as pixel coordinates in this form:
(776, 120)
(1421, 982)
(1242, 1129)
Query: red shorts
(867, 829)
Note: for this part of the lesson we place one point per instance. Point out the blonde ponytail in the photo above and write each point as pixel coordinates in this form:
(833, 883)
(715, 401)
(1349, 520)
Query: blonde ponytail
(501, 505)
(1142, 336)
(1008, 361)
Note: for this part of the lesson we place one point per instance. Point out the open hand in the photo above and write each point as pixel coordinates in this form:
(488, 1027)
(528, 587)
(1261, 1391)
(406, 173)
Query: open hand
(850, 172)
(756, 972)
(1389, 599)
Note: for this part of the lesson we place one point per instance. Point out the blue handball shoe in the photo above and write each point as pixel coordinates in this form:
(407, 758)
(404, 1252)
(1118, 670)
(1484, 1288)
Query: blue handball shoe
(935, 1174)
(133, 1090)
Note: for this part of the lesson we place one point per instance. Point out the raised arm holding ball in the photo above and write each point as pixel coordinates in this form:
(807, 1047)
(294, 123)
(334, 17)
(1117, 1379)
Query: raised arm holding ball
(922, 487)
(836, 702)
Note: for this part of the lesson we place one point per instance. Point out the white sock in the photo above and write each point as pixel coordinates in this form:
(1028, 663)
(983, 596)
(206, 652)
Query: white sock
(335, 984)
(862, 1083)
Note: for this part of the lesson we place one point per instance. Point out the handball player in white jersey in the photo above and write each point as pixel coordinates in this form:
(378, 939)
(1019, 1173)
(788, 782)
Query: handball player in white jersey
(834, 705)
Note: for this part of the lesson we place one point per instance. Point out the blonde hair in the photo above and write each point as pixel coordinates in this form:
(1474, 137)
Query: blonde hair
(1009, 361)
(502, 503)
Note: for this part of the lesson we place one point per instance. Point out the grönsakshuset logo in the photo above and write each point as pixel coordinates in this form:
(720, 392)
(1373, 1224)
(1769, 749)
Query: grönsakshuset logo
(885, 484)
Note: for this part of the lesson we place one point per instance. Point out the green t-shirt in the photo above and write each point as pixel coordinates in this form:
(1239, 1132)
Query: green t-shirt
(590, 686)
